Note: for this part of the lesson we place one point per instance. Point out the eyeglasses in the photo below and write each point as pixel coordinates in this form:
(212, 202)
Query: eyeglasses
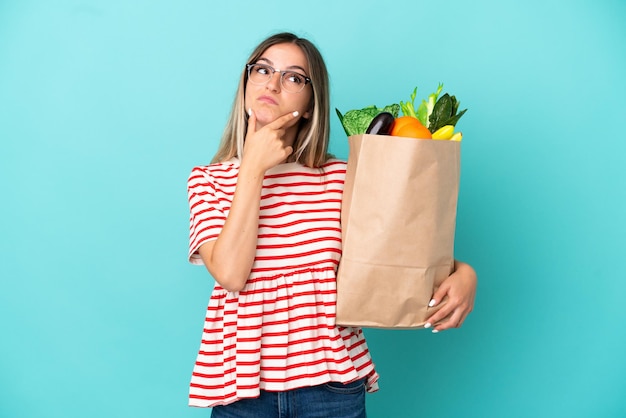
(291, 81)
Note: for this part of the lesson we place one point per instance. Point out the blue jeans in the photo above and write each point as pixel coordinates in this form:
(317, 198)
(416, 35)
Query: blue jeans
(330, 400)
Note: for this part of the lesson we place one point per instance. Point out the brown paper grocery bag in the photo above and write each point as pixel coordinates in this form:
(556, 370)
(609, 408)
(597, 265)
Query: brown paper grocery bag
(398, 221)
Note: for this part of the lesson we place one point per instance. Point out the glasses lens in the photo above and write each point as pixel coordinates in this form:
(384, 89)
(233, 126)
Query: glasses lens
(259, 73)
(292, 82)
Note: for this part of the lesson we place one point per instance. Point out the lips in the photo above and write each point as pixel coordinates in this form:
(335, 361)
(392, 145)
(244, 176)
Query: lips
(268, 100)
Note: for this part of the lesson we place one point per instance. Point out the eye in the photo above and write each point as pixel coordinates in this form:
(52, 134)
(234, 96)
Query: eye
(261, 69)
(294, 78)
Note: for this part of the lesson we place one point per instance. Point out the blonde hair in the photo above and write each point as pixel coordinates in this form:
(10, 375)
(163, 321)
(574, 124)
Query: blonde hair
(311, 143)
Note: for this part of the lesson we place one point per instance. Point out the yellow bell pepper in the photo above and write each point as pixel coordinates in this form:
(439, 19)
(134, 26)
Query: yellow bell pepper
(456, 137)
(445, 132)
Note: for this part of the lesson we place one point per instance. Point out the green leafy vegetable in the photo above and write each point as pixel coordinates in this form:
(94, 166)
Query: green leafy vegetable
(357, 121)
(445, 113)
(424, 110)
(426, 107)
(341, 120)
(408, 108)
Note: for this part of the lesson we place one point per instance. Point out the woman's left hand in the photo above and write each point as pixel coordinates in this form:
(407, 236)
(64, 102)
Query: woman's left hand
(460, 288)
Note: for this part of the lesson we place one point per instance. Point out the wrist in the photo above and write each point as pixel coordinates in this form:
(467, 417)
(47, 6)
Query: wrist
(249, 172)
(464, 267)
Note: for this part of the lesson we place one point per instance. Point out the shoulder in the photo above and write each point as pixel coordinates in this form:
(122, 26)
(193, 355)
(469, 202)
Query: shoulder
(335, 162)
(220, 169)
(330, 167)
(334, 166)
(207, 174)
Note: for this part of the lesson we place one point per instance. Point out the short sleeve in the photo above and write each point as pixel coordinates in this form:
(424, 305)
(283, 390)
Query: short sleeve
(206, 218)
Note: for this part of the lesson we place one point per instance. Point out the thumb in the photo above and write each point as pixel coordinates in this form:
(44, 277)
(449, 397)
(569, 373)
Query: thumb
(251, 121)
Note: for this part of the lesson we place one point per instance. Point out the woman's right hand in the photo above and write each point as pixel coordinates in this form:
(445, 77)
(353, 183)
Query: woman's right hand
(230, 257)
(268, 146)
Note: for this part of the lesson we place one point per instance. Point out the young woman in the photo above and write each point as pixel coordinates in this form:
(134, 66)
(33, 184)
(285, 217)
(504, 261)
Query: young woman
(265, 221)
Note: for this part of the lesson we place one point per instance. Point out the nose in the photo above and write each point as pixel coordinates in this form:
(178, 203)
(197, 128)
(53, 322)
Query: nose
(274, 82)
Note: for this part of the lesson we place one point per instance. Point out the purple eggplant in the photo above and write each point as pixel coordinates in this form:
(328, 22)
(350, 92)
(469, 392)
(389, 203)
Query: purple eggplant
(381, 124)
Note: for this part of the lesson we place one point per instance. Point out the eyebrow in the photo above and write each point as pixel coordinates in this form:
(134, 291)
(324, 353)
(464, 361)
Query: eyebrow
(291, 67)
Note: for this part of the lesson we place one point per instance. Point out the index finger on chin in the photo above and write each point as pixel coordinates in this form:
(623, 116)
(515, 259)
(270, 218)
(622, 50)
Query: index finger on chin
(284, 119)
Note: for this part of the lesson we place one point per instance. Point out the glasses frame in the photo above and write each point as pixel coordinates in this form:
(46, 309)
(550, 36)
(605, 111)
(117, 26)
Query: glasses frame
(282, 73)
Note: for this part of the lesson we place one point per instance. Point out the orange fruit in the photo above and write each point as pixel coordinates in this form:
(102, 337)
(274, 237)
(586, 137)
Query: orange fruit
(411, 127)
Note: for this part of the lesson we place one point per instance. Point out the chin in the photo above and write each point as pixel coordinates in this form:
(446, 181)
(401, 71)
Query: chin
(265, 116)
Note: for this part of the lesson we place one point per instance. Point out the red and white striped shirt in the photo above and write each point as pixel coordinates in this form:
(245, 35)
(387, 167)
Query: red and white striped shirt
(278, 333)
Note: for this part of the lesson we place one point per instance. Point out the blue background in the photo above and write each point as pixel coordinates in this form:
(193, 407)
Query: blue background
(105, 106)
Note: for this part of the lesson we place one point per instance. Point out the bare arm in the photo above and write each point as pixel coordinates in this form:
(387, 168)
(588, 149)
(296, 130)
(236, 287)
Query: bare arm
(230, 257)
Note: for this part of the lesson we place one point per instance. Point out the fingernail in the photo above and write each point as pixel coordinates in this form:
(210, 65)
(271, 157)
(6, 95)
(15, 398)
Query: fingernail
(427, 325)
(295, 113)
(250, 112)
(432, 303)
(435, 331)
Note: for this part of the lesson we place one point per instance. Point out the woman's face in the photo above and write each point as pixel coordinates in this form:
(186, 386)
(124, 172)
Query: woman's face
(271, 101)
